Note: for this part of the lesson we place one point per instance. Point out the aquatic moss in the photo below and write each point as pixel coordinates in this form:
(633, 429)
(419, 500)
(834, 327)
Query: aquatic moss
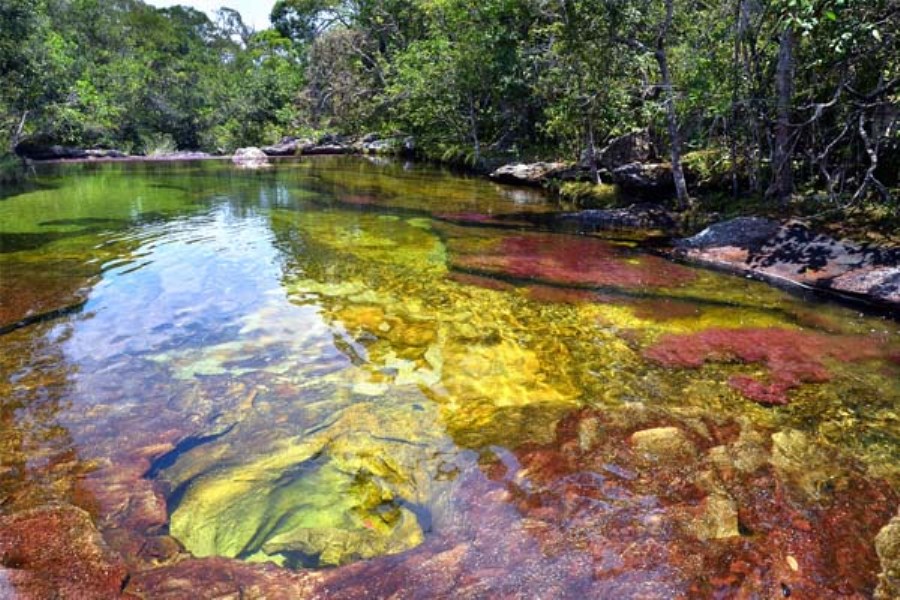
(791, 357)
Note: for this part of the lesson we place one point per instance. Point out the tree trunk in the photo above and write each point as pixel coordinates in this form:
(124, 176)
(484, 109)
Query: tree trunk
(473, 125)
(592, 153)
(17, 134)
(662, 60)
(782, 174)
(735, 99)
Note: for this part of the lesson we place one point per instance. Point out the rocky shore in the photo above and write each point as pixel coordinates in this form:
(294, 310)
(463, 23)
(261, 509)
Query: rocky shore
(288, 146)
(794, 254)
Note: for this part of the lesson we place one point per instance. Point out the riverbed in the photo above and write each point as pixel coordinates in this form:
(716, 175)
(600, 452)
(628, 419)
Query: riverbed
(339, 377)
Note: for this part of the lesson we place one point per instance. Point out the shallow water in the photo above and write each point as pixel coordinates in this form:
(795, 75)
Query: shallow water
(340, 363)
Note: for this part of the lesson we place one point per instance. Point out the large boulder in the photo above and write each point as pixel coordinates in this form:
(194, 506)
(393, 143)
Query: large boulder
(640, 221)
(635, 147)
(179, 155)
(104, 153)
(330, 148)
(250, 158)
(645, 179)
(528, 173)
(748, 233)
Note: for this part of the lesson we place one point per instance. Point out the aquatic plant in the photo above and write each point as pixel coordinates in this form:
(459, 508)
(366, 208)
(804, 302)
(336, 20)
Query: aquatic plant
(791, 357)
(565, 260)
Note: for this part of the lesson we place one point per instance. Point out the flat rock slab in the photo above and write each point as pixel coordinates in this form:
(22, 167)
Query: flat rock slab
(529, 173)
(791, 252)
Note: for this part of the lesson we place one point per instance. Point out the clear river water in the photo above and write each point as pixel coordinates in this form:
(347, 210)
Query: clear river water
(348, 377)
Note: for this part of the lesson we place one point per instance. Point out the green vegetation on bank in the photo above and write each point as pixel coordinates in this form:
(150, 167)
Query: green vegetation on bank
(762, 98)
(121, 74)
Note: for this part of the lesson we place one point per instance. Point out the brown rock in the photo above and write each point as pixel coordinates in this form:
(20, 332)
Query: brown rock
(629, 148)
(250, 158)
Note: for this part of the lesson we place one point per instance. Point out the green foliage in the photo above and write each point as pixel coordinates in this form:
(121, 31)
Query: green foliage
(473, 80)
(11, 170)
(122, 74)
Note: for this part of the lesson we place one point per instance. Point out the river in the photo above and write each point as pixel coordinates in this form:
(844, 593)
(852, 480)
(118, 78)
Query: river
(348, 377)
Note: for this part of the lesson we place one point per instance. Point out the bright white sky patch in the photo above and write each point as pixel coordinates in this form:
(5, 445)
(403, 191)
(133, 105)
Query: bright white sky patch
(254, 12)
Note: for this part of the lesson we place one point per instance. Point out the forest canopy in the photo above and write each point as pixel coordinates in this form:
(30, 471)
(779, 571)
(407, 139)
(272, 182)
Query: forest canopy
(768, 96)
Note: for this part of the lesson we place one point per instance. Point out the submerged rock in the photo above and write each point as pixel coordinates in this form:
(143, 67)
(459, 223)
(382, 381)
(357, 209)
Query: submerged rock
(324, 499)
(663, 444)
(719, 532)
(56, 552)
(564, 260)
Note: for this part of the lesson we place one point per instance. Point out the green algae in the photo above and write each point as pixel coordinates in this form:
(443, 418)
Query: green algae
(330, 495)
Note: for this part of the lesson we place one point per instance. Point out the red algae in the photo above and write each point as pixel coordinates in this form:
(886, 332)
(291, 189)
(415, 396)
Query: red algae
(55, 551)
(791, 357)
(569, 260)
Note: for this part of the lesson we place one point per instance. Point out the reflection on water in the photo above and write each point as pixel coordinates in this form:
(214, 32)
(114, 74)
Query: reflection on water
(303, 367)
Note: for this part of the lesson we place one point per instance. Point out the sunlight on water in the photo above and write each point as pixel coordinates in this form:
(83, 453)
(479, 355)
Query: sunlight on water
(318, 364)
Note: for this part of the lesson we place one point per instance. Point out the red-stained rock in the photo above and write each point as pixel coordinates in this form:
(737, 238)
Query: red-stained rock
(56, 552)
(792, 357)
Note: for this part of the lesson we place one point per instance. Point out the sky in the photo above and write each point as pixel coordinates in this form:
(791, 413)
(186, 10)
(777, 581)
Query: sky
(254, 12)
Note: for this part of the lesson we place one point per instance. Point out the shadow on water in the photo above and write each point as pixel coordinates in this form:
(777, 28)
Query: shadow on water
(8, 191)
